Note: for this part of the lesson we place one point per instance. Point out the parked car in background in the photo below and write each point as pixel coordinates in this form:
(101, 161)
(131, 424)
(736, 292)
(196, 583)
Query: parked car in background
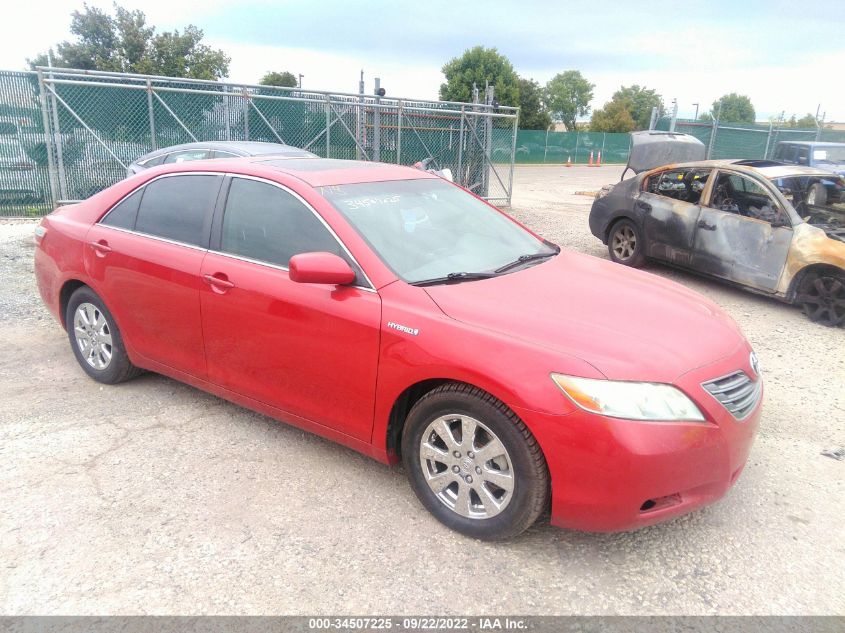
(391, 311)
(821, 155)
(19, 180)
(205, 150)
(750, 222)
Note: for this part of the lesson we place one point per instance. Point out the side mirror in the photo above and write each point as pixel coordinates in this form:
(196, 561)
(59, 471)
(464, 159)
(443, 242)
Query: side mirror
(320, 268)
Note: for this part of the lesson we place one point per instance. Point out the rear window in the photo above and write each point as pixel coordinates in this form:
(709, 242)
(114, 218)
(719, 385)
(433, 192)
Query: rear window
(178, 207)
(123, 214)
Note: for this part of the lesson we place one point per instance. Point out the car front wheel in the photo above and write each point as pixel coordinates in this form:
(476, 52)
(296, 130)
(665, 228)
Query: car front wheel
(95, 339)
(625, 244)
(473, 463)
(822, 297)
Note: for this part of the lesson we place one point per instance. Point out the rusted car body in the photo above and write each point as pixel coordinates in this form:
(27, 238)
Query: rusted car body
(754, 223)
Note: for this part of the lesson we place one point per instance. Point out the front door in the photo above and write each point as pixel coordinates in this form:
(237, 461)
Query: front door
(743, 233)
(308, 349)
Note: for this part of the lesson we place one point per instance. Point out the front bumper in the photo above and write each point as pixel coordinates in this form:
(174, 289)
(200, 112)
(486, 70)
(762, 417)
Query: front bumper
(612, 475)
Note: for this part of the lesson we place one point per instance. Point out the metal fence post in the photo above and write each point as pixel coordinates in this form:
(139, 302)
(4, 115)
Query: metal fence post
(45, 121)
(151, 114)
(377, 124)
(226, 125)
(399, 135)
(713, 130)
(328, 126)
(57, 141)
(461, 149)
(546, 146)
(246, 114)
(768, 141)
(513, 157)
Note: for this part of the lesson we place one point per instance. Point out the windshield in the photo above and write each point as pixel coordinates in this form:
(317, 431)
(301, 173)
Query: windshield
(428, 229)
(829, 154)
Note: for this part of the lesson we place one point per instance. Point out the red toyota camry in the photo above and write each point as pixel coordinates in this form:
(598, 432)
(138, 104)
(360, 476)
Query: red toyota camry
(395, 313)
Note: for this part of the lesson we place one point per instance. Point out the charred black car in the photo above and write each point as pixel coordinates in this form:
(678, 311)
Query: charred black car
(755, 223)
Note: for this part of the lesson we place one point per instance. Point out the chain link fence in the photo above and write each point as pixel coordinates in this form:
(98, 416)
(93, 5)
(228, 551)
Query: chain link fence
(547, 147)
(747, 140)
(66, 134)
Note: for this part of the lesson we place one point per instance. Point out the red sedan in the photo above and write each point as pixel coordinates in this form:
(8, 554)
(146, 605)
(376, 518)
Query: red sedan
(399, 315)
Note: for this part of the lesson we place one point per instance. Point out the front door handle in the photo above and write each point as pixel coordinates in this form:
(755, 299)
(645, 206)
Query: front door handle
(218, 282)
(707, 227)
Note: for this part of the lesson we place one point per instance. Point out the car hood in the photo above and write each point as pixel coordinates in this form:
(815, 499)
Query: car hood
(628, 324)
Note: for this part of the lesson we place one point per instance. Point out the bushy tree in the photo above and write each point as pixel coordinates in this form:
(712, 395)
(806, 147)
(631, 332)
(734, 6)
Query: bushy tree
(480, 66)
(533, 114)
(806, 121)
(283, 79)
(125, 43)
(735, 109)
(638, 101)
(613, 117)
(568, 96)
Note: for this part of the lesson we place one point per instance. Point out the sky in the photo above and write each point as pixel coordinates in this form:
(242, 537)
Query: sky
(786, 56)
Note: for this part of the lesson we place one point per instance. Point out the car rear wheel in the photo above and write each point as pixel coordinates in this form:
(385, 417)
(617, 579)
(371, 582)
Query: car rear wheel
(95, 339)
(625, 244)
(473, 463)
(822, 296)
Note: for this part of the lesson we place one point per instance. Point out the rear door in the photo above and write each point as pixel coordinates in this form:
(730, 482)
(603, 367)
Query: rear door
(669, 204)
(308, 349)
(743, 233)
(145, 256)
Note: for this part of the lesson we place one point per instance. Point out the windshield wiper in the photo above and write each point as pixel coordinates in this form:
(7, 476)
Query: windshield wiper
(522, 259)
(454, 278)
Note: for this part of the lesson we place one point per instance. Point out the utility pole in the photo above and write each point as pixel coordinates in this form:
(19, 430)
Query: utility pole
(696, 111)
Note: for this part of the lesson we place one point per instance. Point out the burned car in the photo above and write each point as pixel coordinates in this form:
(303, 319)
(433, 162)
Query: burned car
(755, 223)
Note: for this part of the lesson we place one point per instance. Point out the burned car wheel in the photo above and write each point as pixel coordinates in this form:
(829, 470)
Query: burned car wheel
(817, 195)
(473, 463)
(822, 296)
(625, 244)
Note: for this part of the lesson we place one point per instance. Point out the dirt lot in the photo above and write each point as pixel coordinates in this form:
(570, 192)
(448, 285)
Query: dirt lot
(153, 497)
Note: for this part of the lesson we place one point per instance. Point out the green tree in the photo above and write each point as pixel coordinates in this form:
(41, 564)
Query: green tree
(638, 101)
(568, 96)
(735, 109)
(806, 121)
(613, 117)
(283, 79)
(480, 66)
(124, 43)
(533, 114)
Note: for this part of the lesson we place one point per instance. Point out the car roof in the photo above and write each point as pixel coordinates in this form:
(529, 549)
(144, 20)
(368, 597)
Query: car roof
(765, 168)
(813, 143)
(316, 172)
(242, 148)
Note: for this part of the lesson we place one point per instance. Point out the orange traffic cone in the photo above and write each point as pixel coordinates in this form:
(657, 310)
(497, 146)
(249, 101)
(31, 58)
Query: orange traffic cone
(590, 164)
(598, 162)
(569, 161)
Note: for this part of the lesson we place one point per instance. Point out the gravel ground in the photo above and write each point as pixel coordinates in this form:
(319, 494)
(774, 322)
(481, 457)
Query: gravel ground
(155, 498)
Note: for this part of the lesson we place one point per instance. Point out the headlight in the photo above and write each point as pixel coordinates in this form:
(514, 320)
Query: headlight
(631, 400)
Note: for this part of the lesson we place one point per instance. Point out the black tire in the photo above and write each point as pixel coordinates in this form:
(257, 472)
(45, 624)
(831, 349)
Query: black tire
(822, 297)
(526, 465)
(118, 368)
(817, 195)
(625, 244)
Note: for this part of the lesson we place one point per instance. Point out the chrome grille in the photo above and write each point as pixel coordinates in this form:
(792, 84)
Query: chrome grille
(737, 393)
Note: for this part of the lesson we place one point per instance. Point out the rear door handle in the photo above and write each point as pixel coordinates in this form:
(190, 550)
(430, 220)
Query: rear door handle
(101, 247)
(218, 282)
(707, 227)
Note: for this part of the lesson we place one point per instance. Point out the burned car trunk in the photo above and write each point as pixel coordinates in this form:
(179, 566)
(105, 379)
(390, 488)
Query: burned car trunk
(650, 149)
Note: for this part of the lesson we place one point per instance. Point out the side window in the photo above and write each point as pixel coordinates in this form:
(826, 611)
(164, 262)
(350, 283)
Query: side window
(158, 160)
(181, 157)
(221, 154)
(803, 156)
(737, 194)
(122, 215)
(685, 185)
(176, 207)
(268, 224)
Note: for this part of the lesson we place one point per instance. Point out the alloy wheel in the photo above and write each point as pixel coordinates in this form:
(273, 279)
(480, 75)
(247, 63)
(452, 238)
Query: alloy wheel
(466, 466)
(624, 242)
(93, 335)
(823, 300)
